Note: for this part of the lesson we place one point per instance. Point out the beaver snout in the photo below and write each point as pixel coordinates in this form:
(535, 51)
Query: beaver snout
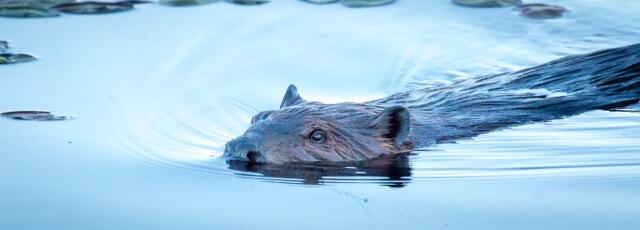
(242, 149)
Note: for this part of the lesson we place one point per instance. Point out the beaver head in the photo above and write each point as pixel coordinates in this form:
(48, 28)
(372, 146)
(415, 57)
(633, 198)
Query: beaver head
(302, 131)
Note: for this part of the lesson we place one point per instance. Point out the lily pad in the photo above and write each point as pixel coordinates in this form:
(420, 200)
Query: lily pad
(4, 45)
(34, 116)
(186, 2)
(321, 1)
(366, 3)
(33, 3)
(96, 7)
(541, 11)
(7, 58)
(487, 3)
(26, 12)
(248, 2)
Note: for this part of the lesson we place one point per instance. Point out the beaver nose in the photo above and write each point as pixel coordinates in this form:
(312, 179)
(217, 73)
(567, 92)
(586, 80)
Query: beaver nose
(241, 148)
(254, 156)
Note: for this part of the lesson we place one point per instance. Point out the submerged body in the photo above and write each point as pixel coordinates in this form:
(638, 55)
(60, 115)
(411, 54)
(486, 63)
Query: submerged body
(302, 131)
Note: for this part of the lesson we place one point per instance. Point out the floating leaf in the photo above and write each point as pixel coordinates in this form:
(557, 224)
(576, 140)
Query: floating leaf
(248, 2)
(34, 116)
(26, 12)
(33, 3)
(96, 7)
(29, 8)
(321, 1)
(7, 58)
(366, 3)
(486, 3)
(186, 2)
(541, 11)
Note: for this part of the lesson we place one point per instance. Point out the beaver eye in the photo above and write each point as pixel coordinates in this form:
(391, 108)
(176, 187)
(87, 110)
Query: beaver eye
(317, 136)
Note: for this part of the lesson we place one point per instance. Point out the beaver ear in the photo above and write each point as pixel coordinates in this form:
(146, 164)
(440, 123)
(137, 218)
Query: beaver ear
(394, 123)
(291, 97)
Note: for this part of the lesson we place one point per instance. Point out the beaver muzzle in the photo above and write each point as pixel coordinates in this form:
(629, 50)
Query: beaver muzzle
(241, 148)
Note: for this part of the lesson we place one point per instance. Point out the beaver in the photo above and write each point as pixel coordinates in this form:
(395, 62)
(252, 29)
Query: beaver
(308, 131)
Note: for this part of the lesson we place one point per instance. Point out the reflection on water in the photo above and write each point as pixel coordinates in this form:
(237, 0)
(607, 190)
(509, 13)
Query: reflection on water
(389, 171)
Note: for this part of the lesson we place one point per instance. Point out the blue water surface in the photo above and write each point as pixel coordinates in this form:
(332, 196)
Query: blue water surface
(156, 92)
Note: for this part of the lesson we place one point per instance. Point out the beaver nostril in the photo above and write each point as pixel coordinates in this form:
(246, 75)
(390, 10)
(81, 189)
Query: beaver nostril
(253, 156)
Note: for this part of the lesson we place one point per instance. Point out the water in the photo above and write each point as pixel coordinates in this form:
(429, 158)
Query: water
(156, 92)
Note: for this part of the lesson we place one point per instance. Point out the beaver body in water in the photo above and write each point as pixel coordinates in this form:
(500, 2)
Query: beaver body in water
(304, 131)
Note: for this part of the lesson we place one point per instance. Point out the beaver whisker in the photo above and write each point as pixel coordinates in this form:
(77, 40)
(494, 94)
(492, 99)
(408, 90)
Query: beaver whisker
(242, 105)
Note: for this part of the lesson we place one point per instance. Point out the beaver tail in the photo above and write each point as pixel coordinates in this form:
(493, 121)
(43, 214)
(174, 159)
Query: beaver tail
(568, 86)
(611, 75)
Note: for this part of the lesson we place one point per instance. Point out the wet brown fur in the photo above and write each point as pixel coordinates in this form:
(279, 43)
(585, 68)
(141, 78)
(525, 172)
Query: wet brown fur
(605, 79)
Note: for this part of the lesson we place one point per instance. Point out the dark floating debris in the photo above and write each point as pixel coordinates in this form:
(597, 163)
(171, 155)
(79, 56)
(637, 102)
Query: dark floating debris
(321, 1)
(34, 116)
(27, 12)
(7, 58)
(96, 7)
(541, 11)
(487, 3)
(186, 2)
(366, 3)
(248, 2)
